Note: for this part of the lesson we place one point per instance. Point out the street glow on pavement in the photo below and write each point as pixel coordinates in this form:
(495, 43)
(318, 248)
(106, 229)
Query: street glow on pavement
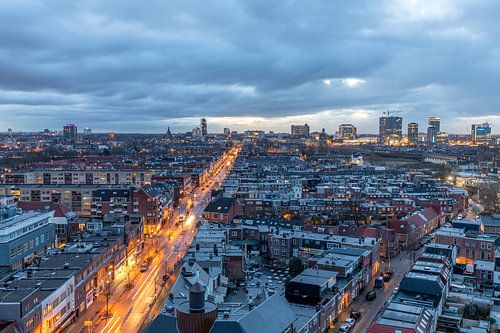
(190, 220)
(147, 280)
(114, 321)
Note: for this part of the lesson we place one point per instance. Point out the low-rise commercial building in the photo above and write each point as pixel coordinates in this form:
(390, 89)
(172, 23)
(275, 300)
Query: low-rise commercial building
(24, 236)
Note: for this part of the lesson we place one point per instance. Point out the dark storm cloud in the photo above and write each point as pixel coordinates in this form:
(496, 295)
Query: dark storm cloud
(127, 65)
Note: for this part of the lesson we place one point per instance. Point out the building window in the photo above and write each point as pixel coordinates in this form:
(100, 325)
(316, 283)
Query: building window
(276, 252)
(60, 229)
(234, 233)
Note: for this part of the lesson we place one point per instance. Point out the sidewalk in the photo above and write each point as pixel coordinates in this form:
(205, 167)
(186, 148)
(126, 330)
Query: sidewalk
(157, 306)
(96, 316)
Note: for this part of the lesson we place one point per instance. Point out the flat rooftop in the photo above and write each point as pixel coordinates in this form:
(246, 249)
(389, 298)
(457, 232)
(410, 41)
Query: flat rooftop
(316, 277)
(403, 316)
(15, 220)
(74, 261)
(339, 260)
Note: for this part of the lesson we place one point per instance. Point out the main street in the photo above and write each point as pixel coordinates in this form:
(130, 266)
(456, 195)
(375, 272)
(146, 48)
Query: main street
(130, 306)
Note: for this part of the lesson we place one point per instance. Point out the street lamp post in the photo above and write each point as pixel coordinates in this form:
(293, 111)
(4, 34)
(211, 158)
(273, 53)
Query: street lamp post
(108, 292)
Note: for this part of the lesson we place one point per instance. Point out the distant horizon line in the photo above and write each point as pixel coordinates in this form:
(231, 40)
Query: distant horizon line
(209, 133)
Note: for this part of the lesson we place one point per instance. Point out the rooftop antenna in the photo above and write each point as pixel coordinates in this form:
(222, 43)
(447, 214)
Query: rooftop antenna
(389, 112)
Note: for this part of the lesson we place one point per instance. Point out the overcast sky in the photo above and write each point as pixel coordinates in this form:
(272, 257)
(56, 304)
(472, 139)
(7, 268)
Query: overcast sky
(140, 66)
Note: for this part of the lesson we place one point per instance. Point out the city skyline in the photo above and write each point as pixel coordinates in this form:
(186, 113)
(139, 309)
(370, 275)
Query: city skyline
(211, 129)
(99, 66)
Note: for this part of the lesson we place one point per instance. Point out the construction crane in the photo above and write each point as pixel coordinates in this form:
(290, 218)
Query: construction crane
(389, 112)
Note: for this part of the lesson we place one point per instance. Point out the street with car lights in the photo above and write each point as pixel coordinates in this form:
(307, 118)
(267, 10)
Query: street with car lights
(127, 307)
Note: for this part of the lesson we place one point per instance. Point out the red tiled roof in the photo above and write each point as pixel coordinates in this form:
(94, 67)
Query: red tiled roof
(422, 217)
(51, 206)
(345, 230)
(370, 232)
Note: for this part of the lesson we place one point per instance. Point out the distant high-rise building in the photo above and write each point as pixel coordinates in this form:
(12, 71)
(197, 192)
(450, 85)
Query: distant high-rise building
(433, 129)
(390, 129)
(70, 134)
(442, 138)
(432, 134)
(196, 132)
(227, 132)
(9, 131)
(412, 132)
(111, 136)
(481, 133)
(322, 135)
(203, 127)
(300, 130)
(347, 131)
(87, 131)
(436, 123)
(169, 134)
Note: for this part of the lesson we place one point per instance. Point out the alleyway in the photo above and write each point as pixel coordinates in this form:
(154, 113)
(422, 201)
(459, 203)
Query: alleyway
(369, 309)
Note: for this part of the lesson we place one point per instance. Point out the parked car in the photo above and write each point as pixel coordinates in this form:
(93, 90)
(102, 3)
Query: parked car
(386, 277)
(379, 282)
(345, 328)
(371, 295)
(355, 314)
(144, 267)
(350, 322)
(388, 271)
